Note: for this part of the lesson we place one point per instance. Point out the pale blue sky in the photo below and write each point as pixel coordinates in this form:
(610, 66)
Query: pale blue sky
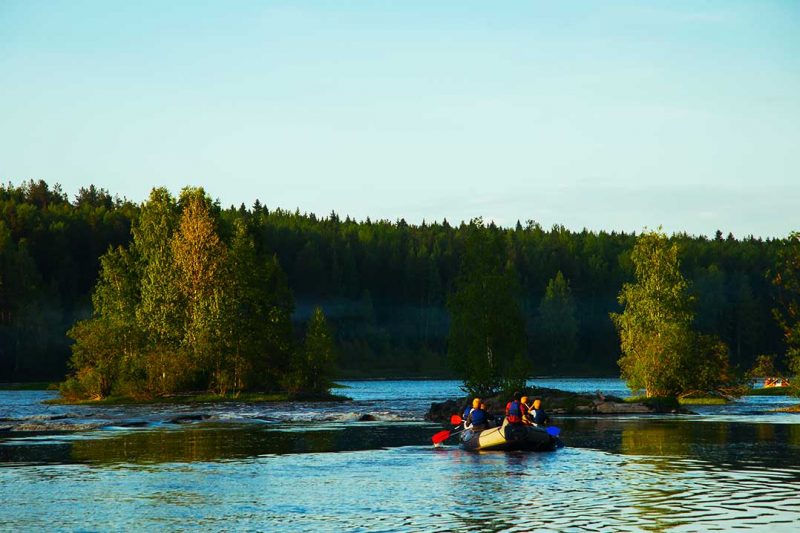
(606, 115)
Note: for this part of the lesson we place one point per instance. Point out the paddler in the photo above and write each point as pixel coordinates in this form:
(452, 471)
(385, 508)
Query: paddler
(538, 416)
(476, 404)
(525, 408)
(478, 419)
(468, 409)
(513, 410)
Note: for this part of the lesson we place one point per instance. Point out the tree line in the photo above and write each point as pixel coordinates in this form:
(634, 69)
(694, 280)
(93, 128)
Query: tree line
(386, 287)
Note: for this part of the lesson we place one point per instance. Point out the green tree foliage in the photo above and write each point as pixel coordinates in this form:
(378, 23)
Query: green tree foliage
(205, 286)
(786, 277)
(264, 305)
(48, 264)
(661, 354)
(107, 346)
(556, 327)
(313, 365)
(654, 327)
(487, 344)
(384, 284)
(160, 311)
(181, 310)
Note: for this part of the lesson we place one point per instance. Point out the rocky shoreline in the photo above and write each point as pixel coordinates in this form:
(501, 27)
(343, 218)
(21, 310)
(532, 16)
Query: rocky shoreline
(558, 402)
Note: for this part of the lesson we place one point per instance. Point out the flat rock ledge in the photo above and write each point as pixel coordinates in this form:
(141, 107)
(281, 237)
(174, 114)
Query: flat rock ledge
(46, 427)
(558, 402)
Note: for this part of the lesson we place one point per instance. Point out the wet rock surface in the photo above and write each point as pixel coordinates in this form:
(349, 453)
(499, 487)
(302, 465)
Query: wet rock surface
(62, 423)
(63, 426)
(188, 419)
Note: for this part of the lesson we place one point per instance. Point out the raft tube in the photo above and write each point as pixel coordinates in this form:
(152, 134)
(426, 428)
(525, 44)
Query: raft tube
(509, 437)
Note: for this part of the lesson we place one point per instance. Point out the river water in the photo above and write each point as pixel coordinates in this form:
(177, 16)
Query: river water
(316, 467)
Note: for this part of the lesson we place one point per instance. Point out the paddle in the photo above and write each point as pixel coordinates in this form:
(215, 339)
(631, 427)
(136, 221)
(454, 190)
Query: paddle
(447, 433)
(441, 437)
(553, 431)
(444, 435)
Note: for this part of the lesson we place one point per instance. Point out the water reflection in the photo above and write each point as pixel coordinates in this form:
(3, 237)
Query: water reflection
(715, 442)
(210, 442)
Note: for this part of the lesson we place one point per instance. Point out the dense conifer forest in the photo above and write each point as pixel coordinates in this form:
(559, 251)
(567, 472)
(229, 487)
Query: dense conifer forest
(384, 285)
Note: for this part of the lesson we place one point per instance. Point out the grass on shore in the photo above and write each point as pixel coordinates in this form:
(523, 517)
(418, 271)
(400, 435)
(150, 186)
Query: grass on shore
(703, 400)
(250, 397)
(669, 403)
(770, 391)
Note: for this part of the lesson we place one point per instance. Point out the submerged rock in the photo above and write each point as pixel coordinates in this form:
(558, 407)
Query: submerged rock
(367, 418)
(133, 424)
(188, 419)
(621, 408)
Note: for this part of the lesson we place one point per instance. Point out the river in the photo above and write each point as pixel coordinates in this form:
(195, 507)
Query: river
(316, 467)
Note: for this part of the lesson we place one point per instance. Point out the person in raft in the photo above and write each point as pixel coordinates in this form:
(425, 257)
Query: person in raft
(514, 410)
(526, 410)
(478, 419)
(537, 414)
(468, 409)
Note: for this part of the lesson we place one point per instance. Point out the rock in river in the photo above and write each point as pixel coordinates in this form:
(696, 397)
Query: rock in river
(558, 402)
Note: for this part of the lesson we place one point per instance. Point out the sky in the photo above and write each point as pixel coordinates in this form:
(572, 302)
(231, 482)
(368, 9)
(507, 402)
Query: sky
(600, 115)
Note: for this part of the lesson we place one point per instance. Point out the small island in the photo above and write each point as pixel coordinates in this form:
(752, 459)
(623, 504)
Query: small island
(182, 316)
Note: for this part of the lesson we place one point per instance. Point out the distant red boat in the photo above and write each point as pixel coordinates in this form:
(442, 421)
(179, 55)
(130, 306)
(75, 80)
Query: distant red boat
(775, 382)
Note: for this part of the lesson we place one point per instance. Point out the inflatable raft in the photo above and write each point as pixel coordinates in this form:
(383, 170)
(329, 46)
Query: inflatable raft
(509, 437)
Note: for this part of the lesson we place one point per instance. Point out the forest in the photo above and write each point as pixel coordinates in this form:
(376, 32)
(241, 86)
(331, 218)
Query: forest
(383, 285)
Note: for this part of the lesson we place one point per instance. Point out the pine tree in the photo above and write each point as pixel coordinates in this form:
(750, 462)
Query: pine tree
(556, 328)
(263, 338)
(314, 362)
(487, 344)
